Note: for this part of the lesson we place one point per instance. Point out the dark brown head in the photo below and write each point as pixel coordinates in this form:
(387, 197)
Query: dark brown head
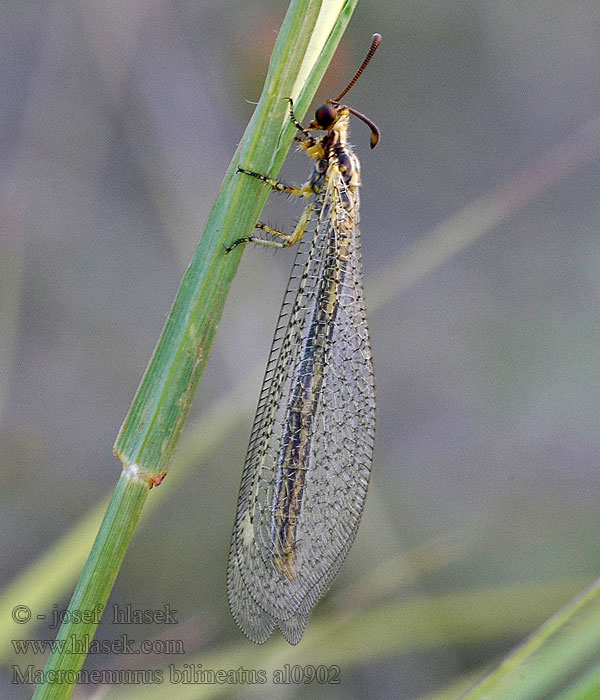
(327, 115)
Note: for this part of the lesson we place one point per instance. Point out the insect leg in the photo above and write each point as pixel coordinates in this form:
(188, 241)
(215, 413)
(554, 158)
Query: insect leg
(302, 191)
(308, 138)
(286, 239)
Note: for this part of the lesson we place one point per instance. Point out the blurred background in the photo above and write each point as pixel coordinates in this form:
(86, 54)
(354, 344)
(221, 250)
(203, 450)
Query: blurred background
(117, 123)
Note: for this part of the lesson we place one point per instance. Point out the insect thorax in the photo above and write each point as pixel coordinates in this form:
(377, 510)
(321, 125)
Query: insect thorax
(337, 151)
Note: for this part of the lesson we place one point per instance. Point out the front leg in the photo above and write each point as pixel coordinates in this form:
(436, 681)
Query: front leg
(308, 137)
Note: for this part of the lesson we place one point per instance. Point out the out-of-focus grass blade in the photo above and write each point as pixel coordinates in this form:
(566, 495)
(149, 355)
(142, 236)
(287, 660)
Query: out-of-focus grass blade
(354, 637)
(555, 653)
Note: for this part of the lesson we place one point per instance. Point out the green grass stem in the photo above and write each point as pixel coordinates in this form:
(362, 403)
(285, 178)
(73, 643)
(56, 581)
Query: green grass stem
(306, 43)
(92, 591)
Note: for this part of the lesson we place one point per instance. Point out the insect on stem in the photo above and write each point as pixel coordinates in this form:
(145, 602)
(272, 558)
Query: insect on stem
(308, 463)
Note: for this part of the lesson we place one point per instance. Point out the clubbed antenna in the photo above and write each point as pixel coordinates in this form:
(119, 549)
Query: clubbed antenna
(374, 44)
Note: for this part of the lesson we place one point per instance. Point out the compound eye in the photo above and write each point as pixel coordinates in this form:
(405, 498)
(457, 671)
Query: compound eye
(325, 116)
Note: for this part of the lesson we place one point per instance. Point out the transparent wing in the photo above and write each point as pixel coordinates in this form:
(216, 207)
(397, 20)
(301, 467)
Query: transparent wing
(307, 468)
